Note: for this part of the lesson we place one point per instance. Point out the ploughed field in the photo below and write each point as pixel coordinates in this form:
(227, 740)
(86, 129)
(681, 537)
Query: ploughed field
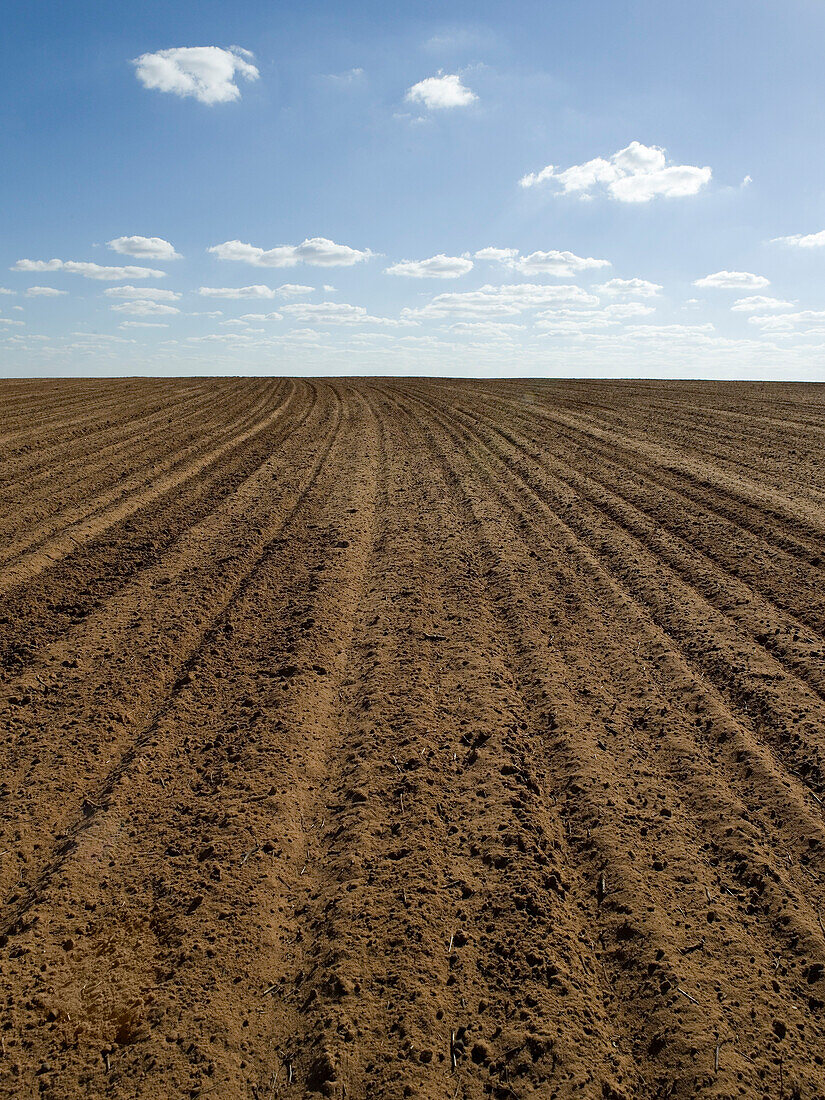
(403, 738)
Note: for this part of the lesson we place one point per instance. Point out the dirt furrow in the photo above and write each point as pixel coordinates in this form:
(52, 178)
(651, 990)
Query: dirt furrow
(412, 738)
(742, 669)
(804, 936)
(66, 530)
(109, 679)
(66, 464)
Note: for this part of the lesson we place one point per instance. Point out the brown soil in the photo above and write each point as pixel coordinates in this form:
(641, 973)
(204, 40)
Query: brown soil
(412, 739)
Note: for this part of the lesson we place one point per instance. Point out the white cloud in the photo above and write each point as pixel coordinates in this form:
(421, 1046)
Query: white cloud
(566, 321)
(143, 324)
(733, 280)
(205, 72)
(223, 337)
(553, 262)
(565, 264)
(102, 337)
(5, 290)
(256, 291)
(437, 92)
(38, 265)
(273, 316)
(799, 240)
(500, 301)
(640, 287)
(351, 76)
(499, 330)
(337, 313)
(287, 290)
(296, 290)
(497, 255)
(437, 267)
(318, 251)
(89, 270)
(636, 173)
(758, 303)
(44, 292)
(149, 293)
(786, 322)
(145, 308)
(144, 248)
(9, 321)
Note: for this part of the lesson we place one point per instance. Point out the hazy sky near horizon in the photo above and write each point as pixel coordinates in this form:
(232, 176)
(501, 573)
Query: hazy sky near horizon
(536, 188)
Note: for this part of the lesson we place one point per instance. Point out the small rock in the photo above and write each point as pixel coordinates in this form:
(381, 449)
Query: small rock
(480, 1053)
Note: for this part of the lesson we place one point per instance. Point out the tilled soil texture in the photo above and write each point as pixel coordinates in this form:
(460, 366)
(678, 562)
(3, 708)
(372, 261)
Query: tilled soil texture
(412, 739)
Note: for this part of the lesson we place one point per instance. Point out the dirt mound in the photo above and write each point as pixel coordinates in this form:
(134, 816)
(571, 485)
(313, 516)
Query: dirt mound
(406, 738)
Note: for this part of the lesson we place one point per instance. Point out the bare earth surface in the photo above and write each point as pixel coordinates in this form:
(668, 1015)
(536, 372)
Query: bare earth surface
(412, 739)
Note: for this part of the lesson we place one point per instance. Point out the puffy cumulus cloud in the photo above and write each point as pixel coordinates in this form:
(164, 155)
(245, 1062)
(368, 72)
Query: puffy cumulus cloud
(149, 293)
(733, 280)
(800, 240)
(438, 92)
(273, 316)
(437, 267)
(553, 262)
(639, 287)
(500, 301)
(296, 290)
(637, 173)
(318, 251)
(89, 270)
(758, 303)
(44, 292)
(5, 290)
(564, 264)
(143, 324)
(38, 265)
(145, 308)
(338, 313)
(207, 73)
(144, 248)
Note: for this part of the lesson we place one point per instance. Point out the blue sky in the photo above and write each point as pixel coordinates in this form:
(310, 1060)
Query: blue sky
(392, 135)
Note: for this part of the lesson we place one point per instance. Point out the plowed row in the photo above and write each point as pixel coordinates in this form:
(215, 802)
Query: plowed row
(400, 738)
